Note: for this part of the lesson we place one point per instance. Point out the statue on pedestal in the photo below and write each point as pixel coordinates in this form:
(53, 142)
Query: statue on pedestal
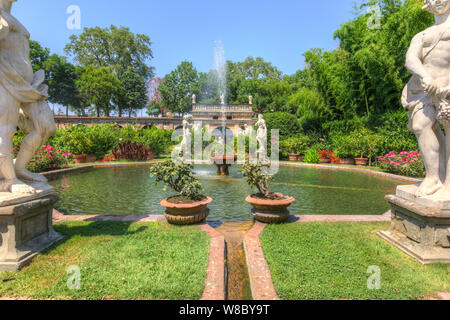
(26, 200)
(420, 213)
(23, 105)
(261, 138)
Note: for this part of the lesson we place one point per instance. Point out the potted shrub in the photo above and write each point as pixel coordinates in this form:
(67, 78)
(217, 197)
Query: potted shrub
(343, 147)
(365, 142)
(295, 147)
(268, 207)
(189, 206)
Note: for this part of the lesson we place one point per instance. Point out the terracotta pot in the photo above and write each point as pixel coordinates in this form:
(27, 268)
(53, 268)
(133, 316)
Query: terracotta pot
(91, 158)
(186, 213)
(348, 161)
(293, 156)
(80, 158)
(325, 160)
(361, 161)
(150, 156)
(270, 211)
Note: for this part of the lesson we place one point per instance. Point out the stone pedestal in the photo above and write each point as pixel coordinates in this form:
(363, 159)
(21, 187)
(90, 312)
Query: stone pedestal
(26, 226)
(420, 226)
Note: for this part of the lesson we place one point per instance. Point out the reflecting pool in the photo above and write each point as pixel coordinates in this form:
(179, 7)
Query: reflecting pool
(129, 190)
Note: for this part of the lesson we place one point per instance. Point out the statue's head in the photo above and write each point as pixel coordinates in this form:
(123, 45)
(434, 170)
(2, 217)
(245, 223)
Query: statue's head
(436, 6)
(260, 116)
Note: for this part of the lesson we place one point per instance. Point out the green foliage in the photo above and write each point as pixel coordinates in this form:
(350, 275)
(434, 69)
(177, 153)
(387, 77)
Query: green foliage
(258, 177)
(73, 139)
(178, 88)
(312, 156)
(113, 47)
(38, 55)
(98, 86)
(132, 94)
(395, 134)
(298, 144)
(283, 121)
(179, 177)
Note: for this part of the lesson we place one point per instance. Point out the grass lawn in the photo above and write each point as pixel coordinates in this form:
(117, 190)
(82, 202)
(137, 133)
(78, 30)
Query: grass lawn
(118, 260)
(330, 261)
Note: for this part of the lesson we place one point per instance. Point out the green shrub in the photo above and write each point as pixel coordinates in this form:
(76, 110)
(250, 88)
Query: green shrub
(298, 144)
(395, 134)
(179, 177)
(103, 139)
(74, 139)
(312, 156)
(285, 122)
(257, 177)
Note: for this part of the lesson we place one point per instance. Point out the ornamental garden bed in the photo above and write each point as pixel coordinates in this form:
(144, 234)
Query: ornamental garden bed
(117, 260)
(331, 261)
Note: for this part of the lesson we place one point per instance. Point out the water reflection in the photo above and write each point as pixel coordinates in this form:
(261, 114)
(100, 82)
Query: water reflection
(130, 190)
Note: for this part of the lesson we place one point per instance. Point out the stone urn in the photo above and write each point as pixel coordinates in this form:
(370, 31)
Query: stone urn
(270, 211)
(361, 161)
(186, 213)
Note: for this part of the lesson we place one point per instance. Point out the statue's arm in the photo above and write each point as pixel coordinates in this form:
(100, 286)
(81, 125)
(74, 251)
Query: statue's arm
(4, 28)
(414, 58)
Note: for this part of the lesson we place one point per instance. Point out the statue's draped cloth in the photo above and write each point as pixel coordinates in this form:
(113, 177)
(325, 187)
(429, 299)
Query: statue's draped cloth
(18, 87)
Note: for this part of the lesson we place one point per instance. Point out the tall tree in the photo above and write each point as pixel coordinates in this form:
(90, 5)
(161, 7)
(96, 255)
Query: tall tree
(38, 55)
(132, 95)
(113, 47)
(178, 88)
(61, 78)
(98, 86)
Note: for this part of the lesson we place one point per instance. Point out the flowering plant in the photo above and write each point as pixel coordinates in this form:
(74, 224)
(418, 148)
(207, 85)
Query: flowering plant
(329, 154)
(47, 159)
(407, 163)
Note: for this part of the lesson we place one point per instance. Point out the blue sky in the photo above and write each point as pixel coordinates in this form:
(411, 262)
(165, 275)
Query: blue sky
(279, 31)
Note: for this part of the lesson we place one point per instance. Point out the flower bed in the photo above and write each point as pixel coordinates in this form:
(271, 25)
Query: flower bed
(406, 163)
(47, 159)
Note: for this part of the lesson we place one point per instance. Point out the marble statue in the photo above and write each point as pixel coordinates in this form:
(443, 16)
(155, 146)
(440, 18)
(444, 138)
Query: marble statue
(222, 99)
(194, 99)
(250, 100)
(419, 213)
(261, 138)
(427, 97)
(187, 136)
(23, 103)
(26, 200)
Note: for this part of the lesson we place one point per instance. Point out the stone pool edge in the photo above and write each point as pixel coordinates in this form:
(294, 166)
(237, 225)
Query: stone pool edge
(215, 275)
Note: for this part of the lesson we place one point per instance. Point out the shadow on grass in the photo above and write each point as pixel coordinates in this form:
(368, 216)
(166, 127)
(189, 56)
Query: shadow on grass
(92, 229)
